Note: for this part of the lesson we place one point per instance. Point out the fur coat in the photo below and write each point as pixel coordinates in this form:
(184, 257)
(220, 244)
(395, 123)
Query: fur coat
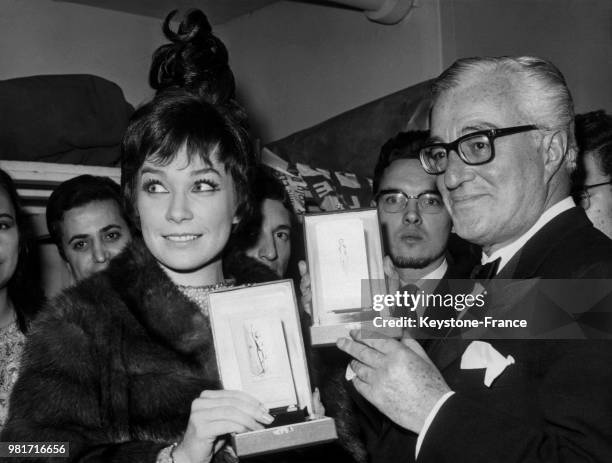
(113, 364)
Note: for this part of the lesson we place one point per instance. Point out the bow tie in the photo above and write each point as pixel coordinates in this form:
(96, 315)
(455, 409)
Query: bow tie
(485, 272)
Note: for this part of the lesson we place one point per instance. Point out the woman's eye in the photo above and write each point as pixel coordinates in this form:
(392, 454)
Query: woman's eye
(205, 185)
(79, 245)
(5, 226)
(283, 236)
(113, 236)
(154, 186)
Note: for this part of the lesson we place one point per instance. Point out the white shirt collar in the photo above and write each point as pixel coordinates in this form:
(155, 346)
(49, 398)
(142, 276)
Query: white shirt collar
(507, 252)
(436, 274)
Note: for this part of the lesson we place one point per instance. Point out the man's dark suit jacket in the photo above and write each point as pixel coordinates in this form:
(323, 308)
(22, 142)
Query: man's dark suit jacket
(553, 405)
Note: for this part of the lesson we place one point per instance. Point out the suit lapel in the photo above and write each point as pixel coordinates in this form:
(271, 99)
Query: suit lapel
(525, 264)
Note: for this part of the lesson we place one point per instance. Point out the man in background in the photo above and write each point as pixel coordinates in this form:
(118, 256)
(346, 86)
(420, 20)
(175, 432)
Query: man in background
(593, 182)
(87, 223)
(273, 242)
(261, 249)
(416, 226)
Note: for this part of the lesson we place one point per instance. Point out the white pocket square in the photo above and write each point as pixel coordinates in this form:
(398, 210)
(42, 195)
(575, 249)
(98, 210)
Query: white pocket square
(480, 354)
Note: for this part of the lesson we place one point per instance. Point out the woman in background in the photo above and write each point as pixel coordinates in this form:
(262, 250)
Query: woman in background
(20, 293)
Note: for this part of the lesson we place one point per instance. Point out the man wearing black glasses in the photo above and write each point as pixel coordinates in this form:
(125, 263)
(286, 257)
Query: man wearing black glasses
(503, 147)
(593, 187)
(415, 223)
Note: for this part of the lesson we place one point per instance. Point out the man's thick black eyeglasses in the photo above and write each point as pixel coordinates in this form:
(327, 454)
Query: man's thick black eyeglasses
(474, 148)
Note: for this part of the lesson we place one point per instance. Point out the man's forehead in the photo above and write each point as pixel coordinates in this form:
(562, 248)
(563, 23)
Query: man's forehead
(477, 106)
(407, 174)
(275, 212)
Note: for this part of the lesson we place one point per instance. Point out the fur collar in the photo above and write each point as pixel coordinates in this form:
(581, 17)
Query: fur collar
(156, 302)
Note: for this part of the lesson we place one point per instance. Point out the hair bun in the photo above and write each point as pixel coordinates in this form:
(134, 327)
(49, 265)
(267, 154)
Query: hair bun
(195, 60)
(193, 28)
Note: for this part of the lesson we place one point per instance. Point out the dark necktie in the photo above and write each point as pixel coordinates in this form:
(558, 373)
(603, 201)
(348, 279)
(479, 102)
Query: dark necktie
(485, 272)
(404, 311)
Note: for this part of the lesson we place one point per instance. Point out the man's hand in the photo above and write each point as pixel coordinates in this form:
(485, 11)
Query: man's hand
(397, 377)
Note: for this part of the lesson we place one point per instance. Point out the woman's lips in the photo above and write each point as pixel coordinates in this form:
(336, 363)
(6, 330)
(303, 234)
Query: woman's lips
(182, 238)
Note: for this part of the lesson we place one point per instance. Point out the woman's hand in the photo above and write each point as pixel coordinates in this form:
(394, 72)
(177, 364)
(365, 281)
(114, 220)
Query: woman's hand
(305, 288)
(214, 414)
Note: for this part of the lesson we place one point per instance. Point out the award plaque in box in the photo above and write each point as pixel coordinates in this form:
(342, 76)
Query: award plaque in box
(345, 261)
(259, 349)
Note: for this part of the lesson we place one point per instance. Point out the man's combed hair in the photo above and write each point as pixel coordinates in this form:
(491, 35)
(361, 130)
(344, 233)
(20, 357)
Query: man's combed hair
(405, 145)
(176, 117)
(76, 192)
(546, 99)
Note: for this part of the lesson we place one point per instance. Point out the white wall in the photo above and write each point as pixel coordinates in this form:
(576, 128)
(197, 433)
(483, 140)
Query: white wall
(298, 64)
(47, 37)
(576, 35)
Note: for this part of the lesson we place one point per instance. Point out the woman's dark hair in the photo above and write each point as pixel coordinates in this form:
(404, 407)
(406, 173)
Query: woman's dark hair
(24, 287)
(197, 61)
(173, 118)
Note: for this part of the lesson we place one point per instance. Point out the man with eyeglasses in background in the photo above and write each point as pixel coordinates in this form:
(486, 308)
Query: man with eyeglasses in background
(416, 229)
(593, 179)
(503, 147)
(415, 224)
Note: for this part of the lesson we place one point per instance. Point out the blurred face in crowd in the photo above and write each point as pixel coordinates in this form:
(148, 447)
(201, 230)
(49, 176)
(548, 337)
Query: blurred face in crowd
(597, 200)
(9, 239)
(92, 235)
(186, 208)
(273, 247)
(490, 204)
(416, 237)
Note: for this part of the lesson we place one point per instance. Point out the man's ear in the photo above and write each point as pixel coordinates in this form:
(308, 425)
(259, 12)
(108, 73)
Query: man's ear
(554, 149)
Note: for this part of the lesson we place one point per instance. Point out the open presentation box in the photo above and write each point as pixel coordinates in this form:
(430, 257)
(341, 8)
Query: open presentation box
(345, 260)
(260, 350)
